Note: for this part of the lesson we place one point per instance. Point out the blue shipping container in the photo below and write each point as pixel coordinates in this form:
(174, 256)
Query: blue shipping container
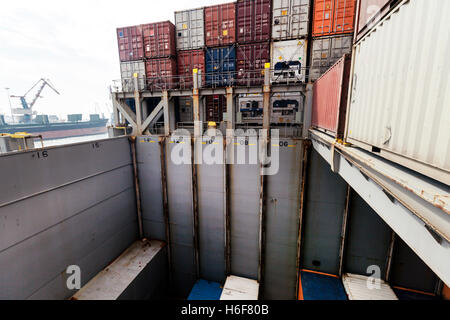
(220, 66)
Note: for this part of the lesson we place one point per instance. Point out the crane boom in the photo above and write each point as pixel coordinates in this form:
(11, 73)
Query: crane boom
(25, 104)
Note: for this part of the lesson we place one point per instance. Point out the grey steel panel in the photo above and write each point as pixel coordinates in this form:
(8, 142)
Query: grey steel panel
(210, 180)
(368, 239)
(32, 264)
(325, 204)
(409, 271)
(180, 198)
(90, 265)
(149, 168)
(282, 212)
(25, 219)
(30, 172)
(244, 202)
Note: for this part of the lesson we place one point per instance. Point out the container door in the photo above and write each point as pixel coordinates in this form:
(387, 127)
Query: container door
(344, 15)
(323, 17)
(300, 18)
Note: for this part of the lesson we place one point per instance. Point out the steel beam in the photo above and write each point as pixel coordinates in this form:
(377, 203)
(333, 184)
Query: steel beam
(153, 116)
(169, 114)
(137, 99)
(344, 230)
(308, 110)
(266, 99)
(415, 207)
(231, 112)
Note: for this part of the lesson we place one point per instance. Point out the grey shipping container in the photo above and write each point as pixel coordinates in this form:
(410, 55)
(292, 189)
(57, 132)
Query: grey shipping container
(326, 52)
(127, 71)
(190, 29)
(290, 19)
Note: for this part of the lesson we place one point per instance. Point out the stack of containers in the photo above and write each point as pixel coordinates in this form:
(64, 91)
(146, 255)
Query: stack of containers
(333, 27)
(290, 30)
(190, 35)
(253, 40)
(131, 54)
(160, 52)
(220, 39)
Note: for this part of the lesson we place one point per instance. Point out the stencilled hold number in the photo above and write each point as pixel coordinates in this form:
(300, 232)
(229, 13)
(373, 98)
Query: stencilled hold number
(41, 154)
(96, 145)
(284, 144)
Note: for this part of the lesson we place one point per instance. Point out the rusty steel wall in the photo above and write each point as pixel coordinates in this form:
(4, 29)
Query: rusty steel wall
(62, 206)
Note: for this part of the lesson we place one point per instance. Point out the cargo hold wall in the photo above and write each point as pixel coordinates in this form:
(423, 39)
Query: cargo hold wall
(59, 208)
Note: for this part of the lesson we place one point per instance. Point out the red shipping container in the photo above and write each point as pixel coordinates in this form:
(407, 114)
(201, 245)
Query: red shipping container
(333, 17)
(188, 61)
(220, 25)
(130, 43)
(159, 40)
(161, 73)
(215, 108)
(250, 63)
(370, 12)
(253, 21)
(330, 94)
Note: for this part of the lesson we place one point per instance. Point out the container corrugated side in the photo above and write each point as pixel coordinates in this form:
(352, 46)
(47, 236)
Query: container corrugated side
(250, 63)
(220, 66)
(330, 98)
(333, 17)
(326, 52)
(127, 71)
(190, 29)
(161, 73)
(220, 25)
(253, 21)
(289, 61)
(400, 95)
(159, 39)
(130, 42)
(188, 61)
(290, 19)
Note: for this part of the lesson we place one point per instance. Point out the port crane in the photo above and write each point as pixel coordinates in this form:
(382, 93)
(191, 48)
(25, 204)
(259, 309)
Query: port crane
(27, 108)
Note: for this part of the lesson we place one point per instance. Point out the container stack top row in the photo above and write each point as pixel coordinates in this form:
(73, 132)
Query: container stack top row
(241, 22)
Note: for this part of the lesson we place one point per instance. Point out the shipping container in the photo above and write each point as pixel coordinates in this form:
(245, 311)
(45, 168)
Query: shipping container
(131, 45)
(287, 107)
(253, 21)
(250, 108)
(161, 73)
(190, 29)
(159, 40)
(399, 96)
(326, 52)
(185, 109)
(127, 71)
(370, 12)
(290, 19)
(188, 61)
(220, 66)
(289, 61)
(250, 63)
(215, 107)
(220, 25)
(333, 17)
(330, 94)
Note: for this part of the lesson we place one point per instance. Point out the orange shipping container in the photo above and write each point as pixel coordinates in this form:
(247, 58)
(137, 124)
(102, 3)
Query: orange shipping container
(333, 17)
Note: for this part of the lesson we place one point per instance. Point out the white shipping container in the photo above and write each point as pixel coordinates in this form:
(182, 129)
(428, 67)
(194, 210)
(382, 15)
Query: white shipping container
(363, 288)
(237, 288)
(289, 61)
(127, 71)
(326, 52)
(400, 94)
(190, 29)
(290, 19)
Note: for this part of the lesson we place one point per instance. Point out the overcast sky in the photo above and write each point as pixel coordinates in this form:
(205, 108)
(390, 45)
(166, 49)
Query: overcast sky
(72, 43)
